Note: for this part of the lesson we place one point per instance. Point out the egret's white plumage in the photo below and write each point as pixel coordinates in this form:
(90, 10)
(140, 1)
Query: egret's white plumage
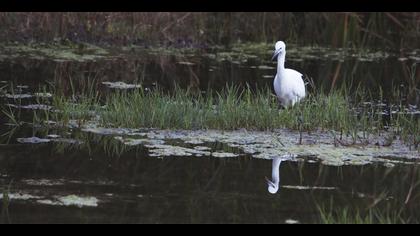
(273, 184)
(288, 83)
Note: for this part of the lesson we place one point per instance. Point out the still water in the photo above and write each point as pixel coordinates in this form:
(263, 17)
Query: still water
(42, 182)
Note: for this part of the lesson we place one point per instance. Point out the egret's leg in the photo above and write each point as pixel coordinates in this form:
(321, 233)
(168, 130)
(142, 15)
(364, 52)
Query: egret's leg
(300, 124)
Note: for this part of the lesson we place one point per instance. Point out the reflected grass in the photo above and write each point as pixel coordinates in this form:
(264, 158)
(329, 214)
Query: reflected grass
(372, 216)
(391, 197)
(5, 215)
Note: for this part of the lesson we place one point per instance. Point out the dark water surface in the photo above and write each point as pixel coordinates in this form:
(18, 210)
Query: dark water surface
(139, 189)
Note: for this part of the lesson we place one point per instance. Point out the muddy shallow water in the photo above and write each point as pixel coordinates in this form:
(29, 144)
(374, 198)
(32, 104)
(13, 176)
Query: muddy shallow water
(95, 175)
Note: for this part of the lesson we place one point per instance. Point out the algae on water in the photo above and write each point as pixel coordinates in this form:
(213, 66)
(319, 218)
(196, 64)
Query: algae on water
(261, 144)
(56, 52)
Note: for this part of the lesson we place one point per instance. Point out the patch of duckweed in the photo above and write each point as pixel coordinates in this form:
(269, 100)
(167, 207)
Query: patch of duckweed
(43, 95)
(242, 52)
(43, 182)
(70, 200)
(202, 148)
(223, 154)
(239, 53)
(186, 63)
(163, 51)
(26, 95)
(121, 85)
(300, 187)
(291, 221)
(164, 150)
(20, 196)
(36, 140)
(74, 200)
(33, 140)
(56, 52)
(17, 96)
(31, 106)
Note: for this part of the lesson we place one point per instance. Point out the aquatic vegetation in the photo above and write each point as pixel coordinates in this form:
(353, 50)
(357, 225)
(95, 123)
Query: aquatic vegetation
(23, 96)
(56, 52)
(70, 200)
(33, 140)
(74, 200)
(291, 221)
(349, 122)
(235, 109)
(121, 85)
(319, 145)
(36, 140)
(20, 196)
(17, 96)
(223, 154)
(163, 150)
(308, 187)
(238, 53)
(245, 51)
(31, 106)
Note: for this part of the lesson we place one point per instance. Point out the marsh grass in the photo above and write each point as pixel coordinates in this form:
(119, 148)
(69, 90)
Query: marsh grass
(235, 108)
(232, 108)
(338, 111)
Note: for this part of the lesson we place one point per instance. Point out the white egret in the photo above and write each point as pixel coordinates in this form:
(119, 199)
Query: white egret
(288, 83)
(273, 184)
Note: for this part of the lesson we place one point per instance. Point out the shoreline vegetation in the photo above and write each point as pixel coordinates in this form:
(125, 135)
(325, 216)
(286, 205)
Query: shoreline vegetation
(344, 113)
(185, 29)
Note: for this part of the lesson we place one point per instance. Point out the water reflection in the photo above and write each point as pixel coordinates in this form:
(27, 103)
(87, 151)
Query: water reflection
(138, 189)
(273, 184)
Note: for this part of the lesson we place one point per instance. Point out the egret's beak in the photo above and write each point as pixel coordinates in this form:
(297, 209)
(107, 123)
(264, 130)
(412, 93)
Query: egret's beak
(275, 55)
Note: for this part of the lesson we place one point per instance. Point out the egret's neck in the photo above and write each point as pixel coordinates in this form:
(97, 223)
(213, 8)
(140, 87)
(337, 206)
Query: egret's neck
(275, 171)
(280, 62)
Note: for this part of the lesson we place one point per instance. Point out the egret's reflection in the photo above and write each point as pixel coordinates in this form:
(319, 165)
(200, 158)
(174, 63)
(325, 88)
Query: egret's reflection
(273, 184)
